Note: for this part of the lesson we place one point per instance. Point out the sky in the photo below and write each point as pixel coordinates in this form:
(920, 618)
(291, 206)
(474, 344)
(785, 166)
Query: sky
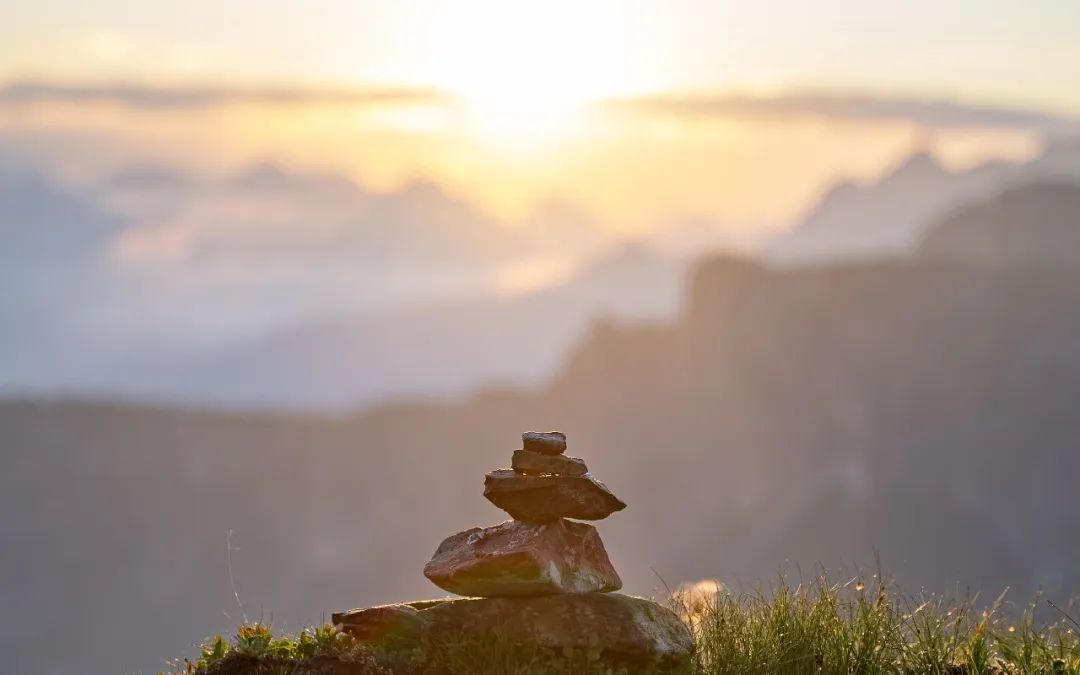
(203, 171)
(511, 121)
(339, 153)
(1003, 51)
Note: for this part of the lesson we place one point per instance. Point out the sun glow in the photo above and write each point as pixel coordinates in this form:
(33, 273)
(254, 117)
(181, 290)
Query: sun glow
(523, 71)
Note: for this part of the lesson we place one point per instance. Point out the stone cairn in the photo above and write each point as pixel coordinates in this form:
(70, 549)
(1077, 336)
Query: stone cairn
(538, 579)
(539, 552)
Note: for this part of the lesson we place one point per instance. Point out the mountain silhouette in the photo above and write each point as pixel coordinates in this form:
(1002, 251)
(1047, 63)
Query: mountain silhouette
(890, 216)
(434, 350)
(1029, 225)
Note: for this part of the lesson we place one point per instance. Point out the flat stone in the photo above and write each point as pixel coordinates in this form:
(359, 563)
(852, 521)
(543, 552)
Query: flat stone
(634, 634)
(537, 463)
(519, 559)
(546, 498)
(547, 443)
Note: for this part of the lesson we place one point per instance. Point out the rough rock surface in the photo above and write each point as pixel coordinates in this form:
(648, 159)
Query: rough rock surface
(517, 559)
(547, 443)
(388, 625)
(546, 498)
(627, 630)
(537, 463)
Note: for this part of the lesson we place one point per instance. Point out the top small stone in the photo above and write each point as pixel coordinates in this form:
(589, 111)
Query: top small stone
(547, 443)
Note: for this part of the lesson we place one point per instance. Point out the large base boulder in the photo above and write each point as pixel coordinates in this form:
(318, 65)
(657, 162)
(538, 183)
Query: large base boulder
(633, 632)
(516, 558)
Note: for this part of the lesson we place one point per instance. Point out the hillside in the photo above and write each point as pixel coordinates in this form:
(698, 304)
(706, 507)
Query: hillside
(1036, 224)
(438, 349)
(802, 415)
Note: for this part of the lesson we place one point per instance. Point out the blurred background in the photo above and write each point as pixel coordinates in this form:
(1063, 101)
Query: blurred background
(279, 282)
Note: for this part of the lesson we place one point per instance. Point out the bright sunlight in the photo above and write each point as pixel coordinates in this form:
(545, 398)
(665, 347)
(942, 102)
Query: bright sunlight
(524, 71)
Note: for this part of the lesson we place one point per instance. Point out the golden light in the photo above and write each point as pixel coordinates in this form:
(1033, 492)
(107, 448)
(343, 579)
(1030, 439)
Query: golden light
(523, 71)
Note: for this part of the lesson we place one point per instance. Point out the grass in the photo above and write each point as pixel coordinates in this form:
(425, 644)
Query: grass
(827, 628)
(820, 627)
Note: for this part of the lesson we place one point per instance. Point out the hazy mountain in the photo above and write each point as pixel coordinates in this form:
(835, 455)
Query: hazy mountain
(278, 220)
(890, 216)
(1033, 224)
(53, 267)
(438, 349)
(887, 217)
(308, 289)
(920, 409)
(39, 219)
(139, 283)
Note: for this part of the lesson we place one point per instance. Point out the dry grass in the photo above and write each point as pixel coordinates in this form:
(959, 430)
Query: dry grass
(867, 627)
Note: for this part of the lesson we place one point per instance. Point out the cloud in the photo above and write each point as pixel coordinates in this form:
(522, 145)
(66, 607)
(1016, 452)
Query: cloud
(154, 263)
(138, 96)
(830, 104)
(927, 112)
(249, 250)
(268, 216)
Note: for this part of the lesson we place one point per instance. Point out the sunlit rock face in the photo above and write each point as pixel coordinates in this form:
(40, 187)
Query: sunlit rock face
(544, 442)
(521, 559)
(633, 633)
(529, 462)
(631, 630)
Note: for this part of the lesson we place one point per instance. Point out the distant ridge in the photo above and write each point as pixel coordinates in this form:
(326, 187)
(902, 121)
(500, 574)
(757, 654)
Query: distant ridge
(1037, 224)
(890, 216)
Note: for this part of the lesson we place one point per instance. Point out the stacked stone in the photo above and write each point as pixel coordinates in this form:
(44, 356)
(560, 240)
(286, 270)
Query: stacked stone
(537, 580)
(540, 551)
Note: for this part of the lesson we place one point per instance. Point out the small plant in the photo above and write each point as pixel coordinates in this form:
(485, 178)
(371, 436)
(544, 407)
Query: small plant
(213, 653)
(256, 643)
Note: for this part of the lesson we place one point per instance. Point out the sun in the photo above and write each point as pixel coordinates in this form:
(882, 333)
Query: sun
(521, 70)
(520, 117)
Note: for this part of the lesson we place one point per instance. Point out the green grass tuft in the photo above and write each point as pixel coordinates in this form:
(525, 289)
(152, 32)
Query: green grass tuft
(255, 649)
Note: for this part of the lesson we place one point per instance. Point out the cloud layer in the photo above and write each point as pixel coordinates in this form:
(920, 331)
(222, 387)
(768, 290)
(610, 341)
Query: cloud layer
(832, 104)
(138, 96)
(929, 112)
